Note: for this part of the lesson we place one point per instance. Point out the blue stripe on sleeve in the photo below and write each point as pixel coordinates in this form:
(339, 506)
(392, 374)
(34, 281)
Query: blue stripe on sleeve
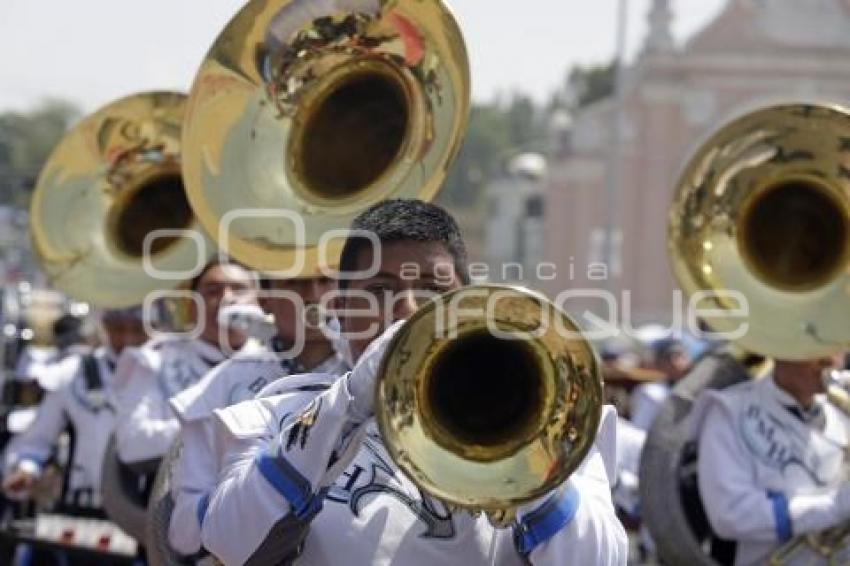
(289, 483)
(781, 515)
(544, 522)
(201, 510)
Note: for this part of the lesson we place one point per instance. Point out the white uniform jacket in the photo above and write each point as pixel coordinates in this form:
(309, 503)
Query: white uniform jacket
(630, 441)
(91, 413)
(300, 477)
(146, 378)
(647, 400)
(196, 469)
(768, 470)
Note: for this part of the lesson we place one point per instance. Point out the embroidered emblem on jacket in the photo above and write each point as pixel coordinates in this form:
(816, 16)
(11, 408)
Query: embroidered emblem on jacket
(776, 444)
(352, 491)
(300, 429)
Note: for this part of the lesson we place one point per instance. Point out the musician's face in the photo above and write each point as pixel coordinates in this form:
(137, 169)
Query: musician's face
(296, 316)
(408, 273)
(805, 375)
(674, 363)
(809, 369)
(222, 285)
(124, 332)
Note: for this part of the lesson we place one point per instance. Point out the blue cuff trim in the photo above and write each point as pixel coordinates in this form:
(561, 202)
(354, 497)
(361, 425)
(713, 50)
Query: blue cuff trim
(289, 483)
(201, 509)
(543, 523)
(781, 515)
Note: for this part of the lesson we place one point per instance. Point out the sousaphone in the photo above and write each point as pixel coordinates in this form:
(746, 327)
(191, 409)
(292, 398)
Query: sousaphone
(302, 115)
(760, 226)
(111, 223)
(112, 184)
(306, 112)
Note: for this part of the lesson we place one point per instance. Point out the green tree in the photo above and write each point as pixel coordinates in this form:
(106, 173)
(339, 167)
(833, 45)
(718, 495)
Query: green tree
(486, 136)
(26, 140)
(523, 121)
(586, 85)
(497, 131)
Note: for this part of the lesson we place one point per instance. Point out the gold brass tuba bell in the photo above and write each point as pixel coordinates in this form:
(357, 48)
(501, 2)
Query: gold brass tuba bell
(317, 110)
(488, 397)
(763, 209)
(112, 181)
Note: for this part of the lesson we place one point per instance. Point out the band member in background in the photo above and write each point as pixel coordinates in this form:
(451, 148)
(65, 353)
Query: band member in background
(70, 337)
(772, 461)
(306, 471)
(240, 379)
(41, 368)
(669, 357)
(83, 399)
(149, 376)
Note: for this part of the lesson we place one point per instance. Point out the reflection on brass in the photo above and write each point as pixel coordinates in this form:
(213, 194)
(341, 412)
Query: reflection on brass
(763, 209)
(112, 181)
(487, 412)
(320, 109)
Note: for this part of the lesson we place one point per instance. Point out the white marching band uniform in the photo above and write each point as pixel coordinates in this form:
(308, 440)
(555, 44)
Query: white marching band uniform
(646, 402)
(91, 412)
(146, 378)
(630, 441)
(768, 469)
(45, 367)
(195, 472)
(303, 475)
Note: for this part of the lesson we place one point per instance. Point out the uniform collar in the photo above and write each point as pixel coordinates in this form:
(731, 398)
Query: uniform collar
(811, 415)
(210, 354)
(108, 359)
(333, 364)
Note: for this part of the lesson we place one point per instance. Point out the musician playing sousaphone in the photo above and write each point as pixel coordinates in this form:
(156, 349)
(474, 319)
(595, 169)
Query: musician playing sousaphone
(111, 224)
(773, 459)
(298, 346)
(147, 377)
(772, 452)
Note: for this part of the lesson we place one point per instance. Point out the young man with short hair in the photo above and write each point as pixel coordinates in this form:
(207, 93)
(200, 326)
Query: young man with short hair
(149, 376)
(239, 379)
(305, 472)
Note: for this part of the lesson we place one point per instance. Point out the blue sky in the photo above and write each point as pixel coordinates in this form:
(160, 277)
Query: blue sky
(93, 51)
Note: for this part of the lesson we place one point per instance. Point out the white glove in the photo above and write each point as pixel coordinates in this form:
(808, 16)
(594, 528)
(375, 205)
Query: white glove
(816, 512)
(362, 379)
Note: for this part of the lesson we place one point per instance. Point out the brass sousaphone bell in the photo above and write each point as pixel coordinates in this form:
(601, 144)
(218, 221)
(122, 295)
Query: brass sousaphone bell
(111, 182)
(307, 112)
(763, 210)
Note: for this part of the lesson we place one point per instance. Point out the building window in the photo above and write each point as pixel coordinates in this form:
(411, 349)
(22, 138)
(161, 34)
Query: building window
(534, 207)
